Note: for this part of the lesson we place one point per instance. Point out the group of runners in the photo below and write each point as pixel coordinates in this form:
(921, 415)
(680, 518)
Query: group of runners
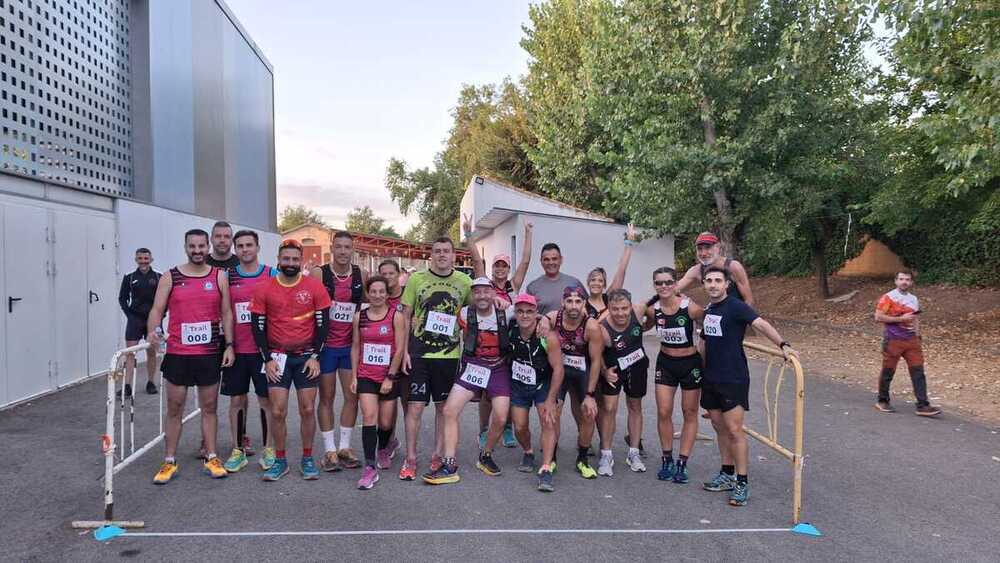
(450, 339)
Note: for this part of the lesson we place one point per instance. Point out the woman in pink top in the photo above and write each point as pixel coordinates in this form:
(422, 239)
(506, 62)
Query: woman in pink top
(376, 352)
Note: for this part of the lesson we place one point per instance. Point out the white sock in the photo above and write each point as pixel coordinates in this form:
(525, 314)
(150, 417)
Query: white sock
(345, 437)
(329, 444)
(170, 460)
(606, 453)
(633, 451)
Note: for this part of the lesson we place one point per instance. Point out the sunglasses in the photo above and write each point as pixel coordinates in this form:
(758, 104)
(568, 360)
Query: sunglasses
(658, 283)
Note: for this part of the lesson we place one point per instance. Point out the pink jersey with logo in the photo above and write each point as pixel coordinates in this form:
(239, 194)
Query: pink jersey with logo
(195, 307)
(377, 339)
(341, 315)
(241, 288)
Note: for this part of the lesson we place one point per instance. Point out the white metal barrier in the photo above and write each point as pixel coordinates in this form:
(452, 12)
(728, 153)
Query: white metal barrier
(113, 450)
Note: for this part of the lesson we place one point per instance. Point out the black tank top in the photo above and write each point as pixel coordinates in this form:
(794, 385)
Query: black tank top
(530, 352)
(733, 290)
(677, 330)
(592, 311)
(574, 342)
(626, 345)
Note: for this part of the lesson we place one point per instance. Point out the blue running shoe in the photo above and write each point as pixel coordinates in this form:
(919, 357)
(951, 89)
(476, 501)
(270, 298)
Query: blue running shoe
(681, 474)
(444, 475)
(309, 470)
(666, 472)
(278, 470)
(721, 482)
(509, 441)
(740, 494)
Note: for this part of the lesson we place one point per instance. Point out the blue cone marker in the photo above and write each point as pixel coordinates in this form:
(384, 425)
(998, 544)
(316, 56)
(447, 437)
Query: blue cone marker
(106, 533)
(806, 529)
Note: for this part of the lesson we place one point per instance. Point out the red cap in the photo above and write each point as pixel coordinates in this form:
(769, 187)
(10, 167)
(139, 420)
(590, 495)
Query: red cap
(526, 298)
(290, 243)
(706, 238)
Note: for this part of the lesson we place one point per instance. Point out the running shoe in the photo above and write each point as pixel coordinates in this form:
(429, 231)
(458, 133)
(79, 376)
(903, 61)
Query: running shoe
(330, 462)
(585, 470)
(266, 459)
(721, 482)
(606, 466)
(382, 459)
(390, 450)
(214, 468)
(527, 463)
(248, 446)
(166, 473)
(482, 440)
(667, 470)
(634, 462)
(681, 474)
(740, 494)
(545, 481)
(237, 460)
(884, 406)
(487, 465)
(435, 463)
(509, 440)
(151, 388)
(277, 470)
(308, 468)
(927, 410)
(128, 392)
(348, 459)
(642, 449)
(368, 478)
(444, 475)
(409, 470)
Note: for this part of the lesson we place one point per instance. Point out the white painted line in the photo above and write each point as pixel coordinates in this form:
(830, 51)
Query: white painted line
(433, 532)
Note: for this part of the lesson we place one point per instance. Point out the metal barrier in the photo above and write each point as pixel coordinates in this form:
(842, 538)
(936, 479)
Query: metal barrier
(114, 449)
(770, 437)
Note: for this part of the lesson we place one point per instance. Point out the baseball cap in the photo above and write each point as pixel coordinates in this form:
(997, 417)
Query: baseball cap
(290, 243)
(706, 238)
(526, 298)
(501, 258)
(482, 282)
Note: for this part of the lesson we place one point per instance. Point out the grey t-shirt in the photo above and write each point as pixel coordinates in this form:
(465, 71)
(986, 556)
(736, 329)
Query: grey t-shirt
(549, 292)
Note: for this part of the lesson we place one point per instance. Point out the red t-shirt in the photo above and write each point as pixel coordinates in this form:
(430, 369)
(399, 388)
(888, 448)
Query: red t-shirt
(290, 311)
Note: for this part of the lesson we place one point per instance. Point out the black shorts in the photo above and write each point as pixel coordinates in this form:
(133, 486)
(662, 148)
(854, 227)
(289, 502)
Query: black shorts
(633, 381)
(725, 396)
(576, 381)
(135, 328)
(684, 371)
(370, 387)
(295, 373)
(237, 377)
(431, 379)
(190, 371)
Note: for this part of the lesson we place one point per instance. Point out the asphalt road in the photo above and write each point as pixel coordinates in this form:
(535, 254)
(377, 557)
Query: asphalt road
(884, 487)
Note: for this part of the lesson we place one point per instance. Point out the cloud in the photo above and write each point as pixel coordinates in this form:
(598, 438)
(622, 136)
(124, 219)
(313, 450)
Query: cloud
(333, 201)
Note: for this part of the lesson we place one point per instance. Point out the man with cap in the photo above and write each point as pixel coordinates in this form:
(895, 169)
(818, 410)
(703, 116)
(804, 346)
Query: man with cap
(483, 370)
(708, 251)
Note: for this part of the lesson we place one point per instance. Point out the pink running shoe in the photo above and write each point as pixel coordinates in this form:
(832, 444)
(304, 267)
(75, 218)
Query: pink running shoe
(368, 478)
(383, 459)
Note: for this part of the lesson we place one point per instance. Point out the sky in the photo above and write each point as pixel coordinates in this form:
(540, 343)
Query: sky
(356, 83)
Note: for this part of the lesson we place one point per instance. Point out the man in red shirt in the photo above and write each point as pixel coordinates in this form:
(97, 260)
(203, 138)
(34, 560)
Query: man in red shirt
(290, 320)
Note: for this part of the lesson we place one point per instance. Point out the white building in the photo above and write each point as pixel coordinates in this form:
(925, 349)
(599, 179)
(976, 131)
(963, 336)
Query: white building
(499, 212)
(123, 123)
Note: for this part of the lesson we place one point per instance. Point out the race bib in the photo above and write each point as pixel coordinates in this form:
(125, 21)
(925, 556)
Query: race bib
(523, 373)
(280, 359)
(712, 325)
(631, 359)
(575, 362)
(377, 354)
(243, 312)
(196, 333)
(477, 376)
(675, 335)
(342, 312)
(440, 323)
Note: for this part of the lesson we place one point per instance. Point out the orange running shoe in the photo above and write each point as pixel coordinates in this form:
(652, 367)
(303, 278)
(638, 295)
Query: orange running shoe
(409, 470)
(167, 472)
(215, 469)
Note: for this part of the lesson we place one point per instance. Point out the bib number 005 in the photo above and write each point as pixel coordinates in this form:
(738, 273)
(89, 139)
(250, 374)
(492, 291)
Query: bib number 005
(523, 372)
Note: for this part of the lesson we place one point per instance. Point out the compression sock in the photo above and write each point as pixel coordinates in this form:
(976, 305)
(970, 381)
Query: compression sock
(383, 438)
(369, 440)
(345, 437)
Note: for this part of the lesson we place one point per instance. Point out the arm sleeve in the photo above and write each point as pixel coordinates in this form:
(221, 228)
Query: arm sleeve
(123, 295)
(321, 317)
(258, 324)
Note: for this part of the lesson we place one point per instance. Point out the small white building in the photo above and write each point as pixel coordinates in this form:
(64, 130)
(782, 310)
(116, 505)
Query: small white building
(499, 211)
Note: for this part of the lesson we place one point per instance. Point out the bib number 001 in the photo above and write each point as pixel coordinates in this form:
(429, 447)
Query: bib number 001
(440, 323)
(243, 312)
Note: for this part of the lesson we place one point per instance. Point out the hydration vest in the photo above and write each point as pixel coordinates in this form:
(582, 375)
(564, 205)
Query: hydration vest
(471, 340)
(357, 283)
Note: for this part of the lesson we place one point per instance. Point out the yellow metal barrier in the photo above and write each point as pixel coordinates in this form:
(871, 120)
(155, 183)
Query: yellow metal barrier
(772, 384)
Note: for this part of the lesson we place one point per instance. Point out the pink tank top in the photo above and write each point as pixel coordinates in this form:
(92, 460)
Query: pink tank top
(342, 313)
(377, 341)
(241, 288)
(195, 307)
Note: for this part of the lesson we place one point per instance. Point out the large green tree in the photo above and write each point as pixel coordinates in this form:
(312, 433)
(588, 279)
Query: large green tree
(364, 220)
(297, 215)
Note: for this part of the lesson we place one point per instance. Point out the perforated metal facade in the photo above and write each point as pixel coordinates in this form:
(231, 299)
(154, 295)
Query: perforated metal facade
(65, 92)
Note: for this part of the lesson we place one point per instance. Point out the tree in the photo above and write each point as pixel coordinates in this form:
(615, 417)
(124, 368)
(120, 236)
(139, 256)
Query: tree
(363, 220)
(295, 216)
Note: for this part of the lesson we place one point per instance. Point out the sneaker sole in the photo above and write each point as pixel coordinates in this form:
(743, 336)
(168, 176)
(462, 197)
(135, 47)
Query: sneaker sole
(172, 477)
(487, 470)
(526, 469)
(737, 503)
(310, 476)
(927, 414)
(272, 479)
(222, 475)
(408, 477)
(546, 489)
(443, 481)
(717, 489)
(884, 410)
(635, 468)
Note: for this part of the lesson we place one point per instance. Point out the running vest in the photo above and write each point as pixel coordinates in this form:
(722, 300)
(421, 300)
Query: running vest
(377, 339)
(532, 352)
(506, 292)
(574, 344)
(195, 306)
(470, 343)
(592, 311)
(346, 302)
(394, 302)
(626, 345)
(677, 330)
(241, 287)
(733, 290)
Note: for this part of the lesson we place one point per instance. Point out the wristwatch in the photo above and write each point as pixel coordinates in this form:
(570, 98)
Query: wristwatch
(313, 356)
(591, 394)
(783, 344)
